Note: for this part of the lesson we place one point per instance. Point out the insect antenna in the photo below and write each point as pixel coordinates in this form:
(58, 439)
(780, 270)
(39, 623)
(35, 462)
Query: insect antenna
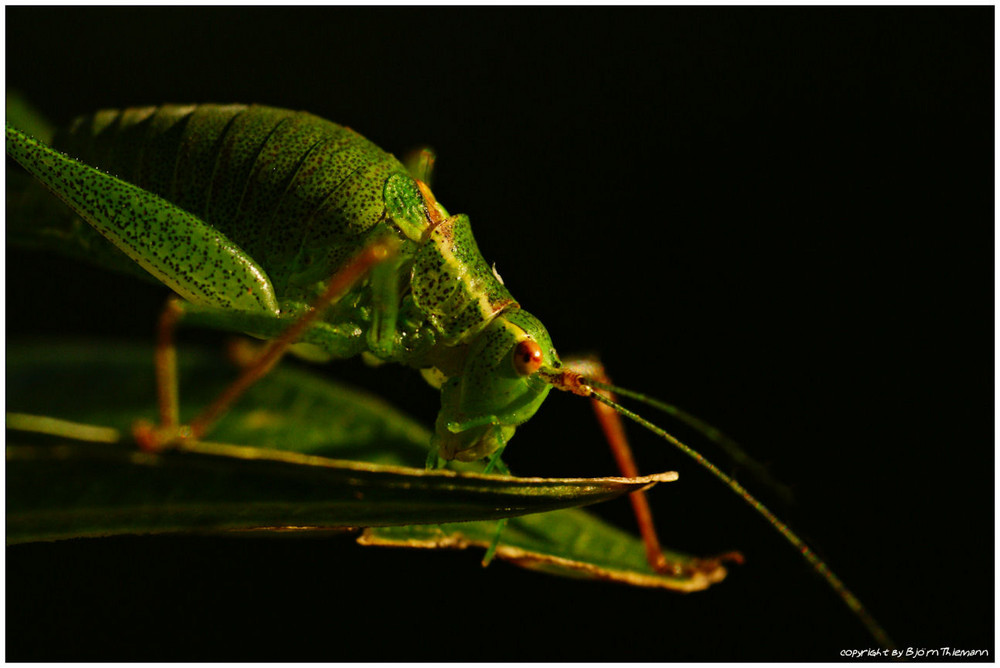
(818, 565)
(730, 447)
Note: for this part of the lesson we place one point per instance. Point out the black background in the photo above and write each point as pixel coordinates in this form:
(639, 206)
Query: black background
(777, 218)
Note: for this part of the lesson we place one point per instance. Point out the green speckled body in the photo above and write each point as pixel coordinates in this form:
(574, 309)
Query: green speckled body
(297, 193)
(248, 211)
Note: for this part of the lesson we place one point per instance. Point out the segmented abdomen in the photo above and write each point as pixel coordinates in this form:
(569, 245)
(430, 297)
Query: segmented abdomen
(298, 193)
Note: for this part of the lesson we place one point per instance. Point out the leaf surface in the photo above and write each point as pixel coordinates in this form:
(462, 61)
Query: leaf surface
(292, 470)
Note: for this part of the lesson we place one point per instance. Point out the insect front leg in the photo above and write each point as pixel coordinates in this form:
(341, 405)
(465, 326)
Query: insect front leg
(495, 464)
(614, 432)
(383, 335)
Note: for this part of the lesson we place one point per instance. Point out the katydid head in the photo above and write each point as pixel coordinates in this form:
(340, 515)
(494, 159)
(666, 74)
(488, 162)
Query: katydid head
(499, 388)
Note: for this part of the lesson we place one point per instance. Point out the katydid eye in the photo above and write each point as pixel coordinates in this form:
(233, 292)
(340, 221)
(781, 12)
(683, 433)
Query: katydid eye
(527, 357)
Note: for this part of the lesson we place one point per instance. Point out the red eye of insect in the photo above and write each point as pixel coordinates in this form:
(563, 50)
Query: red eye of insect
(527, 357)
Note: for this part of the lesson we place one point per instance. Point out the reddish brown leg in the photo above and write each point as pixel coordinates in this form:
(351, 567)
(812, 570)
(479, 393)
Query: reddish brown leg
(150, 437)
(614, 430)
(157, 438)
(166, 363)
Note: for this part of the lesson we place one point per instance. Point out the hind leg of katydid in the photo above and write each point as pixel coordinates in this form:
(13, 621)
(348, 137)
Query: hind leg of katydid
(169, 431)
(614, 432)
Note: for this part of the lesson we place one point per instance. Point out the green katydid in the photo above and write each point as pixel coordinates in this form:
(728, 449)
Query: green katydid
(292, 228)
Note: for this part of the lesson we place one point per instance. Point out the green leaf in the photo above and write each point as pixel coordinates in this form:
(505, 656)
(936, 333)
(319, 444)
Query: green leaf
(290, 471)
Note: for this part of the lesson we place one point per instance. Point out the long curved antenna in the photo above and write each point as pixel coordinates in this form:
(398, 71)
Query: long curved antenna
(818, 565)
(732, 449)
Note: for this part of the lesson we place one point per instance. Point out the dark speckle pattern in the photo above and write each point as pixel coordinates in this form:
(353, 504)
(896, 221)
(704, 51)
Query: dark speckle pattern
(271, 202)
(294, 191)
(172, 244)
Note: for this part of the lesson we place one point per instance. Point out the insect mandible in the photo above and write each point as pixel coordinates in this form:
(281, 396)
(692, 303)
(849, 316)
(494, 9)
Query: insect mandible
(292, 228)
